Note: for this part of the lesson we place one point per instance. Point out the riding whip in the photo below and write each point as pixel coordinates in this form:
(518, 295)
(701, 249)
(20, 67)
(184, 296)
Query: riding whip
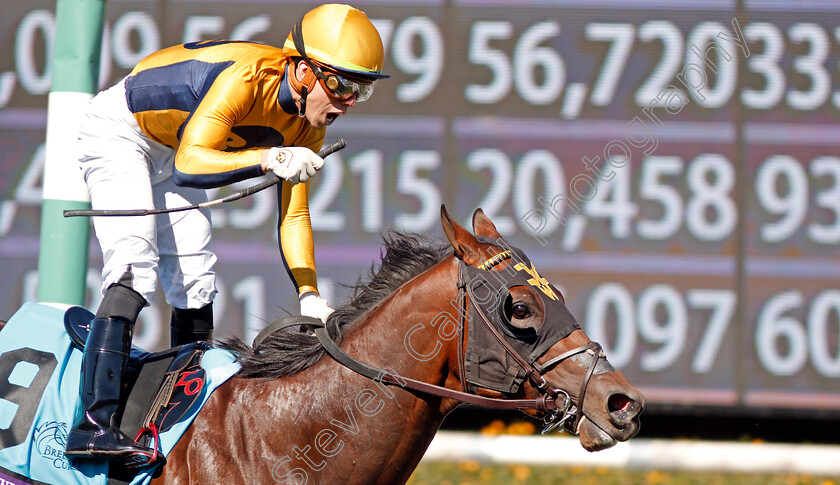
(327, 150)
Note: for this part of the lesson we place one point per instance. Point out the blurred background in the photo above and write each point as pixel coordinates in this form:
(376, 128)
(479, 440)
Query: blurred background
(673, 166)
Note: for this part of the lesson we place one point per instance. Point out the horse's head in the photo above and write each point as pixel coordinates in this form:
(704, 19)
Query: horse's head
(522, 341)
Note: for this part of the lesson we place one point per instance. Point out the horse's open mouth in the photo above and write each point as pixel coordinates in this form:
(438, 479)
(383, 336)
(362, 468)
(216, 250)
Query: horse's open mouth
(594, 438)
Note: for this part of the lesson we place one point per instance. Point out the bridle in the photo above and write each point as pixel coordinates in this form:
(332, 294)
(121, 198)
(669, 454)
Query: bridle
(554, 415)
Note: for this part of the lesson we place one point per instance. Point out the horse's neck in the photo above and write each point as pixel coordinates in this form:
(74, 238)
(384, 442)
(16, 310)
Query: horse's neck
(411, 332)
(358, 408)
(328, 421)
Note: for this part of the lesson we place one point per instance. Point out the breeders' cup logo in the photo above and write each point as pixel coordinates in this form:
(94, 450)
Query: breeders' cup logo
(50, 441)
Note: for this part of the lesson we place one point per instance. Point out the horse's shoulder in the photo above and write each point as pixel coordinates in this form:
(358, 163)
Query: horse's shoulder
(232, 394)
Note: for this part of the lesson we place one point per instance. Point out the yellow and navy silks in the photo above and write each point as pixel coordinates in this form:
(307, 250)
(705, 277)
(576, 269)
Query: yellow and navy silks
(219, 103)
(40, 370)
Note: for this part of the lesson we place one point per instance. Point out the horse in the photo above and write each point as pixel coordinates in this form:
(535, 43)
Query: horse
(359, 399)
(293, 416)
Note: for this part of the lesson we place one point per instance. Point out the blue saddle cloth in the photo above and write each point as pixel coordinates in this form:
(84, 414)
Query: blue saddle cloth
(40, 370)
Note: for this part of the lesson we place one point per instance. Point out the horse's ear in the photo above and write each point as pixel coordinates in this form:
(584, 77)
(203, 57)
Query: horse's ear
(465, 244)
(483, 226)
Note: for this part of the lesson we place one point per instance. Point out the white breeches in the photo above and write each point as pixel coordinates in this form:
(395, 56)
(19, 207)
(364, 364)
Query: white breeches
(125, 169)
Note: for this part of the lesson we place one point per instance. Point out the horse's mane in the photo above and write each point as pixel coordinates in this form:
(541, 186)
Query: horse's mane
(290, 351)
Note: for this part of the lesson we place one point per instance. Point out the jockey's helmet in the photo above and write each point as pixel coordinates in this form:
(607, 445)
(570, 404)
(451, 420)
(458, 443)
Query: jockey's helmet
(338, 38)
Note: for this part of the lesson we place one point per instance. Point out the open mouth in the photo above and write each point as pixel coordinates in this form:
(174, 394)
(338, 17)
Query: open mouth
(596, 437)
(592, 437)
(331, 117)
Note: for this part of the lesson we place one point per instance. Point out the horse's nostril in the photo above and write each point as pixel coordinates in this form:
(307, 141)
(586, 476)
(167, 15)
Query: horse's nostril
(619, 402)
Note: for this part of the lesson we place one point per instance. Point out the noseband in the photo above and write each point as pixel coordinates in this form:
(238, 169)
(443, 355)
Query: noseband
(553, 413)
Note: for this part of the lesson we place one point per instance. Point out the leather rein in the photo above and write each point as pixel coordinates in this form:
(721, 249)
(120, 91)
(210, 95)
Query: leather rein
(553, 414)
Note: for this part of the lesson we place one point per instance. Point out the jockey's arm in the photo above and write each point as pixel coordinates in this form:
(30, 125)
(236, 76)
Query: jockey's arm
(202, 160)
(295, 234)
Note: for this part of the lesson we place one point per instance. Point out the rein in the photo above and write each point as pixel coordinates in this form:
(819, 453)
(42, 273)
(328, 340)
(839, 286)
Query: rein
(389, 377)
(554, 415)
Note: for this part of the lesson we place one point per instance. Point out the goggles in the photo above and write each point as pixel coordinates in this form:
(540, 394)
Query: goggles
(337, 86)
(342, 88)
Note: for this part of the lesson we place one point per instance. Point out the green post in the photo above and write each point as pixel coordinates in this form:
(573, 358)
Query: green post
(63, 257)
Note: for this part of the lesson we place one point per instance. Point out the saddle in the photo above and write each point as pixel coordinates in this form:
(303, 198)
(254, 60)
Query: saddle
(159, 387)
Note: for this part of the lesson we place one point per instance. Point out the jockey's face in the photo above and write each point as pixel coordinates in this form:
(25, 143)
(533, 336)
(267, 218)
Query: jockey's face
(322, 108)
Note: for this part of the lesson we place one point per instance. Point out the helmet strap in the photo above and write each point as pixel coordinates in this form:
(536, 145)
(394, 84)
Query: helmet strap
(305, 89)
(297, 38)
(301, 87)
(302, 109)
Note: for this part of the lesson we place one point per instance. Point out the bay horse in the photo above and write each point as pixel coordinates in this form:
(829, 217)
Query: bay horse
(436, 325)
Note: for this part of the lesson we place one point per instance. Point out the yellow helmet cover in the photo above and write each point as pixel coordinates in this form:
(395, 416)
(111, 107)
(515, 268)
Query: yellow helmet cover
(341, 37)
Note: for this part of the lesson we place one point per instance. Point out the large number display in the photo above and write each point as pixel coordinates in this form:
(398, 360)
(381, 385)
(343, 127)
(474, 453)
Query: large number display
(672, 166)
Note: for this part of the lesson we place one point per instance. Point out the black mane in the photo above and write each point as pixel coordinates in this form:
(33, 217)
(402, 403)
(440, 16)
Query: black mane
(290, 351)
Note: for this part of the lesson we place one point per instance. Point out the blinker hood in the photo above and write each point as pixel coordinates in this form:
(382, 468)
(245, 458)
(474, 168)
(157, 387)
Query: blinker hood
(487, 363)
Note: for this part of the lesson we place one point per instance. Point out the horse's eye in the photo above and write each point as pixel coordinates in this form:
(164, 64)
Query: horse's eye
(520, 311)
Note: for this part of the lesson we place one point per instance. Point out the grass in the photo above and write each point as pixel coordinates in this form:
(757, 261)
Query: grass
(474, 473)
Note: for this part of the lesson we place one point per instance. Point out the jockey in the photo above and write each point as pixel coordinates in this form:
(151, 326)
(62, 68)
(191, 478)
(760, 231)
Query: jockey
(188, 118)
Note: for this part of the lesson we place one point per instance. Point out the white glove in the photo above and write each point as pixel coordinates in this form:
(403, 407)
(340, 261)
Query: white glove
(293, 164)
(312, 305)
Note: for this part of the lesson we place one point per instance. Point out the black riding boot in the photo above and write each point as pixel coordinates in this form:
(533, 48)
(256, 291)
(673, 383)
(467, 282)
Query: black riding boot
(191, 325)
(95, 435)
